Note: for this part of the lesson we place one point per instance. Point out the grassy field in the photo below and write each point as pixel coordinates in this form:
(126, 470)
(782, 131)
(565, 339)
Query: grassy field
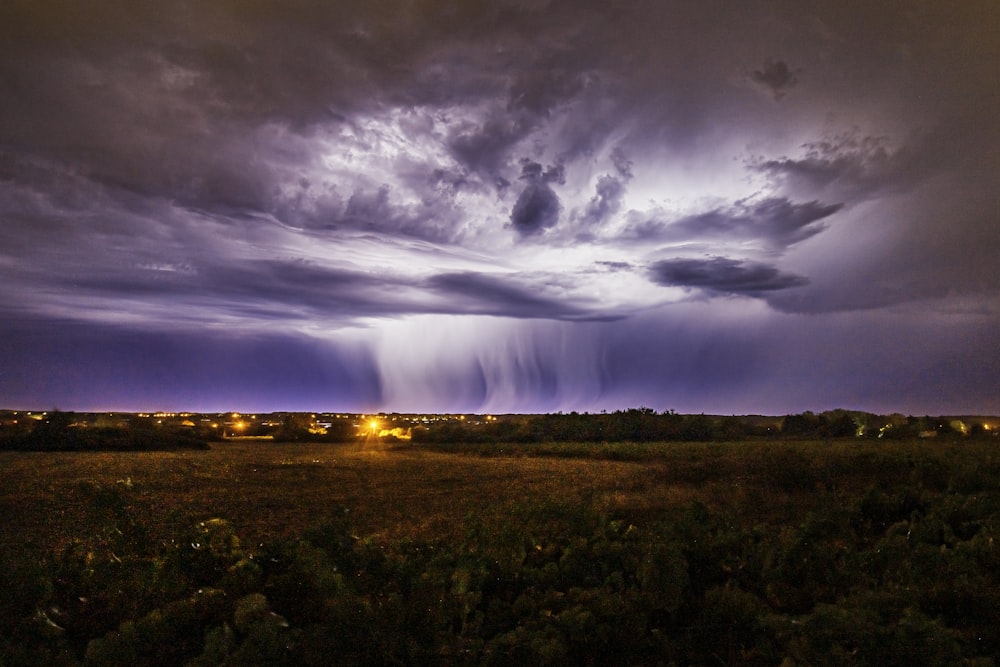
(808, 546)
(271, 490)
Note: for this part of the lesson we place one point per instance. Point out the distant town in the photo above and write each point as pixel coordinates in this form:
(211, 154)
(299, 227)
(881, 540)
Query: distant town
(56, 429)
(232, 425)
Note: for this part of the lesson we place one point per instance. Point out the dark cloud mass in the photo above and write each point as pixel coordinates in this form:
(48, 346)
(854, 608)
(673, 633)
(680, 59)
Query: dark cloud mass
(490, 295)
(776, 77)
(536, 209)
(538, 206)
(848, 167)
(724, 275)
(498, 205)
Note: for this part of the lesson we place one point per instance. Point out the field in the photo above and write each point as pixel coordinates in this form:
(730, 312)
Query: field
(269, 490)
(803, 551)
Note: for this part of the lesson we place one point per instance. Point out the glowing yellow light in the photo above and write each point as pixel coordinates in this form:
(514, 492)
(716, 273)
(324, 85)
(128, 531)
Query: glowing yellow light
(373, 424)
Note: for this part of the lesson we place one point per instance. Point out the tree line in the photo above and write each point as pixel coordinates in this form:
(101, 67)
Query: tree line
(647, 425)
(69, 431)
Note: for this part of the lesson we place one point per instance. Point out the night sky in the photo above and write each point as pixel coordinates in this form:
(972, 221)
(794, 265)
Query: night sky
(720, 207)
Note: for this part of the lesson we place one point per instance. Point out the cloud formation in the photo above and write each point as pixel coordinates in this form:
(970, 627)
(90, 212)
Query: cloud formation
(847, 167)
(481, 294)
(724, 276)
(775, 77)
(774, 222)
(548, 186)
(537, 207)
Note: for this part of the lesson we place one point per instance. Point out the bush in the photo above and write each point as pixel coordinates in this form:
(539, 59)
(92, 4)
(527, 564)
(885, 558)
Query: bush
(888, 567)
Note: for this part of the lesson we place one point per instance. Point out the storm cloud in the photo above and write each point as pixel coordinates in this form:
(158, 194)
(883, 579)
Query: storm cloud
(724, 275)
(499, 205)
(538, 207)
(492, 295)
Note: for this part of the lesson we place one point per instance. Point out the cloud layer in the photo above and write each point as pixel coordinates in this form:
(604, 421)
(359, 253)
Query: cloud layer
(594, 204)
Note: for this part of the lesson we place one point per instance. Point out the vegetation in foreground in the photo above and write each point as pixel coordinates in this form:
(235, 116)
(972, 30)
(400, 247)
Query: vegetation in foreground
(806, 552)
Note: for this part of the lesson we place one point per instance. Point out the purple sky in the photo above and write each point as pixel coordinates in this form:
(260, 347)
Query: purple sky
(722, 207)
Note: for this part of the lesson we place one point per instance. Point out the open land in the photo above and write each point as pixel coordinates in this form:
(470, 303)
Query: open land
(271, 490)
(807, 547)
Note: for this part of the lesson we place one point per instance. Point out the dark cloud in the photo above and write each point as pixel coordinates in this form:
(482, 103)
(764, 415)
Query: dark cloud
(538, 206)
(485, 147)
(262, 290)
(849, 167)
(775, 77)
(553, 174)
(490, 295)
(776, 222)
(918, 275)
(536, 210)
(215, 112)
(724, 276)
(615, 266)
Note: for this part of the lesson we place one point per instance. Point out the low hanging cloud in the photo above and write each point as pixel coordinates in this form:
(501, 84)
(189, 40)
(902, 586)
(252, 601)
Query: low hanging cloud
(722, 275)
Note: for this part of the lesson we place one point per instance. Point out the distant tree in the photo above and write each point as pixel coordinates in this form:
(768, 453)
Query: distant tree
(295, 426)
(802, 425)
(697, 427)
(840, 424)
(54, 432)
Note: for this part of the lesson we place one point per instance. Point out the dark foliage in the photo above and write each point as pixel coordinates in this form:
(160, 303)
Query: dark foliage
(66, 431)
(904, 570)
